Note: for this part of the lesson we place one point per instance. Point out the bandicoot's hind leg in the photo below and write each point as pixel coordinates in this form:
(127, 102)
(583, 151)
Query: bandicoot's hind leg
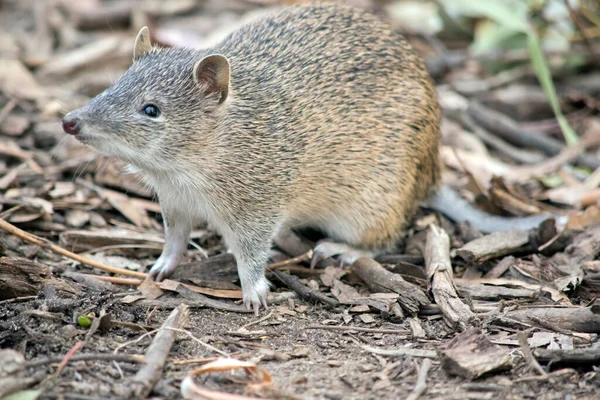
(345, 252)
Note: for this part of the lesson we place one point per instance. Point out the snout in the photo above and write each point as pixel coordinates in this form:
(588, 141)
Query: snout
(71, 124)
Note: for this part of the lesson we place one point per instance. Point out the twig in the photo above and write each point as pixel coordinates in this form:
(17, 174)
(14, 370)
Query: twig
(33, 239)
(195, 339)
(18, 299)
(359, 329)
(526, 350)
(258, 321)
(566, 155)
(304, 292)
(116, 280)
(402, 351)
(157, 353)
(509, 130)
(507, 149)
(295, 260)
(69, 356)
(87, 357)
(421, 385)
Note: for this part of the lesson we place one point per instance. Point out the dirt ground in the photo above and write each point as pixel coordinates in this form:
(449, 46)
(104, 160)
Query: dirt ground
(517, 318)
(305, 363)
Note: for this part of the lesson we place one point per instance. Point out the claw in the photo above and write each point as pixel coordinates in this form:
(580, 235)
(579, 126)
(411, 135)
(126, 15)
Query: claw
(315, 259)
(346, 253)
(161, 276)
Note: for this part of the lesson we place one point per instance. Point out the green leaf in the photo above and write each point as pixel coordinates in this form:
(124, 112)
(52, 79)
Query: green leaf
(23, 395)
(545, 77)
(84, 321)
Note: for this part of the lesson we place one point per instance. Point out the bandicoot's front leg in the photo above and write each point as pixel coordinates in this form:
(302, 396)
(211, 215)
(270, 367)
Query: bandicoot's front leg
(177, 233)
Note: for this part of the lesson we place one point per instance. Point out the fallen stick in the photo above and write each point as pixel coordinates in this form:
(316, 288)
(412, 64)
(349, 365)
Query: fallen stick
(526, 351)
(572, 319)
(87, 357)
(421, 385)
(44, 243)
(401, 351)
(439, 273)
(33, 239)
(157, 353)
(305, 293)
(509, 130)
(358, 329)
(582, 356)
(296, 260)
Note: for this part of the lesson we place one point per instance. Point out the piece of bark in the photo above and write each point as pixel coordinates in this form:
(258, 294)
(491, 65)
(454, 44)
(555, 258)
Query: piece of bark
(407, 269)
(157, 353)
(399, 258)
(478, 291)
(439, 272)
(21, 277)
(564, 357)
(494, 245)
(471, 355)
(380, 280)
(81, 240)
(211, 272)
(574, 319)
(189, 294)
(305, 293)
(499, 269)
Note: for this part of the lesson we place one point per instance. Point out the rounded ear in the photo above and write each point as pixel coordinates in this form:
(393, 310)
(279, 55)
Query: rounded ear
(142, 43)
(212, 72)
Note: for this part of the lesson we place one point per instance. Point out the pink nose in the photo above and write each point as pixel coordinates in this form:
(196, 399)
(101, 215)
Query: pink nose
(71, 125)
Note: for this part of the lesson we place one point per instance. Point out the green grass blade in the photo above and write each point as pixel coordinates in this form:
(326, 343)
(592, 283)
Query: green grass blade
(545, 77)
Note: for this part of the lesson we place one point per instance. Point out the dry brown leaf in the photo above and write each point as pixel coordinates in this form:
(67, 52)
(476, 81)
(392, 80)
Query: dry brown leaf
(171, 285)
(150, 289)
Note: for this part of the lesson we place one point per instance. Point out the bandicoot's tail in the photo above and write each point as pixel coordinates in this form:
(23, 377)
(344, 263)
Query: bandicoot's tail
(452, 205)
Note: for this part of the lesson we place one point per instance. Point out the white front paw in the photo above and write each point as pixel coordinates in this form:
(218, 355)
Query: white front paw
(163, 267)
(255, 294)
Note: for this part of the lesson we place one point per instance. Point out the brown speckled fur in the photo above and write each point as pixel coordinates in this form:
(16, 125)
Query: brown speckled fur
(331, 121)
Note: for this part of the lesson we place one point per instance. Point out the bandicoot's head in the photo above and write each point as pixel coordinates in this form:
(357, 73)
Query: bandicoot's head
(167, 99)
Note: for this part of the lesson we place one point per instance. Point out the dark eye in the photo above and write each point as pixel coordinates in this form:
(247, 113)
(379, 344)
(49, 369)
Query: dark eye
(151, 110)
